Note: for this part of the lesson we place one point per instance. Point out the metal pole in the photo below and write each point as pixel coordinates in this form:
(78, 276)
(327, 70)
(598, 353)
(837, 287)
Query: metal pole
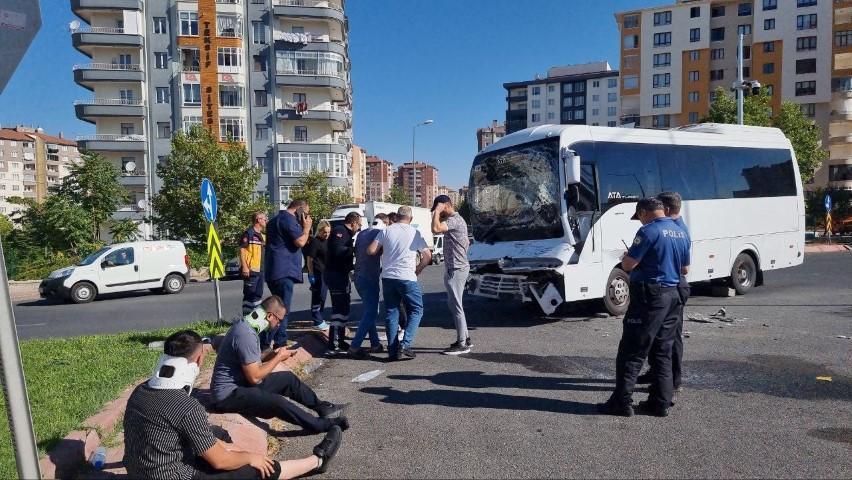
(740, 79)
(15, 386)
(413, 136)
(218, 299)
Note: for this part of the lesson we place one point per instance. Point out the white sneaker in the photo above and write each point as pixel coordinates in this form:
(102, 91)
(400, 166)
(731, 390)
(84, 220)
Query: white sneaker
(400, 334)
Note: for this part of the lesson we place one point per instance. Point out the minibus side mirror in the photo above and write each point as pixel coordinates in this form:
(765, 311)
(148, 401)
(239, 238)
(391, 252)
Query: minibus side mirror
(572, 166)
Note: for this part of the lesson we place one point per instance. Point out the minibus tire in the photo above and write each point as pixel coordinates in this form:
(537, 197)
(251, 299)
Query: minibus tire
(83, 292)
(617, 287)
(743, 274)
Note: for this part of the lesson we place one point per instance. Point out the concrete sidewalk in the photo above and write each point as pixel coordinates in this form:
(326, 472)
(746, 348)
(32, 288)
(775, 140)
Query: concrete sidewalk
(68, 459)
(825, 248)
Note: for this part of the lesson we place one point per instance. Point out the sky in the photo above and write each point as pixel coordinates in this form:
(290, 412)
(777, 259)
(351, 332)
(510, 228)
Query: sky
(412, 60)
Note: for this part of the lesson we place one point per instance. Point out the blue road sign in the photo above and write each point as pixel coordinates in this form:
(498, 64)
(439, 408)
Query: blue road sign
(208, 200)
(827, 203)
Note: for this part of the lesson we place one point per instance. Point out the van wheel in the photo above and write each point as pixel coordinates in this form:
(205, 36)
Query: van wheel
(83, 292)
(173, 283)
(438, 259)
(617, 296)
(743, 274)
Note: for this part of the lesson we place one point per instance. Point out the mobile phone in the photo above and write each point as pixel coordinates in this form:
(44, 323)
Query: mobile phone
(294, 346)
(300, 214)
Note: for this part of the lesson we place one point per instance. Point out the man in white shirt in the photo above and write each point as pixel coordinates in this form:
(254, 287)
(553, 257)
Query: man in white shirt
(399, 245)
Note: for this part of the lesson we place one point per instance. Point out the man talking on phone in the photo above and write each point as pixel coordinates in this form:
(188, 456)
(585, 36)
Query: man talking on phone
(286, 234)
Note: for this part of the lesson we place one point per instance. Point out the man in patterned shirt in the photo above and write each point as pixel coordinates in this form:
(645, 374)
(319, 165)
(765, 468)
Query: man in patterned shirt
(447, 221)
(167, 436)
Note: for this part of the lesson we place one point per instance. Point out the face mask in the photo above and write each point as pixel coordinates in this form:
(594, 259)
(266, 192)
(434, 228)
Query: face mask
(173, 373)
(257, 320)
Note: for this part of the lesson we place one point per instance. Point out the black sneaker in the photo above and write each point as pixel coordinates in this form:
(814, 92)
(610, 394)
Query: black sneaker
(612, 408)
(331, 410)
(342, 422)
(405, 354)
(342, 345)
(378, 349)
(468, 343)
(362, 353)
(653, 409)
(645, 379)
(457, 349)
(328, 447)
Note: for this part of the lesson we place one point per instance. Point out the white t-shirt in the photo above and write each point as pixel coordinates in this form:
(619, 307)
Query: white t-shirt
(400, 243)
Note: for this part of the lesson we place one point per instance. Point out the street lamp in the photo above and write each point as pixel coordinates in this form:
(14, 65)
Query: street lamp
(414, 135)
(741, 85)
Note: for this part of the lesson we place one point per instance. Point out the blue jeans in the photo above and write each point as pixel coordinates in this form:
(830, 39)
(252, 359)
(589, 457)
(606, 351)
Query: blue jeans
(407, 292)
(368, 289)
(283, 287)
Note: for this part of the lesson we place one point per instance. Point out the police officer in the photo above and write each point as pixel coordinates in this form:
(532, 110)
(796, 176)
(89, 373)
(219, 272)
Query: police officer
(656, 260)
(339, 262)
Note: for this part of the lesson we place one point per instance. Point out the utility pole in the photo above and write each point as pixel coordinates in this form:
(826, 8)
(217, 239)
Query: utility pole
(414, 135)
(740, 80)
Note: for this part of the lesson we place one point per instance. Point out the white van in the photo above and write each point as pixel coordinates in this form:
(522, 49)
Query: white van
(123, 267)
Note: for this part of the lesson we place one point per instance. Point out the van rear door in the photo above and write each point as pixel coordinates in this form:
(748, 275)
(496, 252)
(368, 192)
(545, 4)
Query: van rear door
(119, 270)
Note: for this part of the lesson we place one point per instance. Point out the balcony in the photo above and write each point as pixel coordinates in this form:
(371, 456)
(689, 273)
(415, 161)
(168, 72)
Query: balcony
(840, 116)
(112, 143)
(85, 8)
(287, 144)
(310, 9)
(306, 42)
(88, 110)
(129, 211)
(87, 74)
(340, 118)
(517, 98)
(86, 38)
(133, 178)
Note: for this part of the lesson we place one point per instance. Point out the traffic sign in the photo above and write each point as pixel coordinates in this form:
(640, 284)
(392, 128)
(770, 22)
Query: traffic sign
(214, 252)
(20, 20)
(827, 201)
(208, 200)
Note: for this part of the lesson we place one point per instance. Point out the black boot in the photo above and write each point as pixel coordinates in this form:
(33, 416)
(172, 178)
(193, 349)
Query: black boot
(327, 448)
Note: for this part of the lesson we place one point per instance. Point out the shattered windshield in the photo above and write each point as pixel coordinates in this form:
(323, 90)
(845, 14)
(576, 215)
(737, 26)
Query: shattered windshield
(515, 193)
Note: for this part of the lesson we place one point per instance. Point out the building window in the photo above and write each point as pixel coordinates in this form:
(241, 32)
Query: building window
(551, 115)
(746, 52)
(300, 133)
(694, 97)
(694, 34)
(717, 11)
(551, 102)
(662, 59)
(258, 33)
(261, 131)
(160, 25)
(660, 121)
(744, 29)
(230, 96)
(612, 83)
(717, 34)
(630, 82)
(805, 3)
(662, 80)
(536, 90)
(188, 23)
(768, 68)
(631, 42)
(579, 115)
(663, 18)
(611, 97)
(228, 25)
(806, 65)
(770, 4)
(693, 76)
(694, 55)
(231, 129)
(128, 129)
(717, 75)
(841, 39)
(769, 24)
(259, 63)
(770, 89)
(535, 104)
(746, 72)
(806, 43)
(611, 111)
(551, 88)
(693, 117)
(163, 95)
(230, 57)
(806, 22)
(717, 54)
(260, 163)
(596, 83)
(840, 173)
(612, 123)
(694, 12)
(260, 98)
(309, 63)
(161, 59)
(631, 21)
(294, 164)
(744, 10)
(192, 94)
(164, 130)
(808, 109)
(536, 117)
(805, 88)
(662, 39)
(596, 112)
(768, 47)
(190, 121)
(662, 100)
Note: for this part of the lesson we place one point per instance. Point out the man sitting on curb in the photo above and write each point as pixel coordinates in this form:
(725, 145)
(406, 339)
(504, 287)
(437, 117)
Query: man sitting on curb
(166, 433)
(244, 381)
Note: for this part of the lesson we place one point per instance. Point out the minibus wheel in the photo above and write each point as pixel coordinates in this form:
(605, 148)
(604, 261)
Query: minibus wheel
(617, 295)
(743, 274)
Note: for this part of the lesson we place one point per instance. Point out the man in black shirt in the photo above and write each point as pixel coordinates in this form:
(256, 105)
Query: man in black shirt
(167, 436)
(315, 256)
(339, 262)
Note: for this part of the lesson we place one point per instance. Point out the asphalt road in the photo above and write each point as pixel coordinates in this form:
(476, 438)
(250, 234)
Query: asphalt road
(522, 404)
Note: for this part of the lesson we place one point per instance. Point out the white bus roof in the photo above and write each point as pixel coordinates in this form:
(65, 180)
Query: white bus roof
(707, 134)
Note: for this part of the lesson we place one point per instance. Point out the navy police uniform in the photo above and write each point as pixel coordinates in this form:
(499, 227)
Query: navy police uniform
(339, 262)
(662, 249)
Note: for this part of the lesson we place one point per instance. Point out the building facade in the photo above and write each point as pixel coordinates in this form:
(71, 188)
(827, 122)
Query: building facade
(488, 135)
(379, 178)
(450, 192)
(31, 162)
(837, 172)
(359, 174)
(419, 181)
(573, 94)
(271, 74)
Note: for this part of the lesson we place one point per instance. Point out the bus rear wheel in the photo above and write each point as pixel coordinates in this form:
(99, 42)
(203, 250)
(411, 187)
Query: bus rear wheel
(743, 274)
(617, 295)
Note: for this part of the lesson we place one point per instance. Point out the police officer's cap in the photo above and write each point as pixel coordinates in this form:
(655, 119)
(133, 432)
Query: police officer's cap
(650, 204)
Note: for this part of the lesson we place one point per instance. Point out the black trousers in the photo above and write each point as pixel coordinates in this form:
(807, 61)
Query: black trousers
(649, 329)
(252, 292)
(683, 290)
(340, 290)
(270, 399)
(206, 472)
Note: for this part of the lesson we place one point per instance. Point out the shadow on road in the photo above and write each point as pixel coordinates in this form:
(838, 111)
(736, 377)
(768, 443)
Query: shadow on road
(483, 380)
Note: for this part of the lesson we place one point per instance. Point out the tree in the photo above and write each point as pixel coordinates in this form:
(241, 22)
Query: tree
(196, 155)
(124, 231)
(399, 196)
(6, 227)
(314, 188)
(756, 109)
(94, 186)
(59, 224)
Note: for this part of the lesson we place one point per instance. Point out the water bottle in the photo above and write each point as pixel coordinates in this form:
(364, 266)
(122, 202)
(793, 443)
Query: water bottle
(98, 458)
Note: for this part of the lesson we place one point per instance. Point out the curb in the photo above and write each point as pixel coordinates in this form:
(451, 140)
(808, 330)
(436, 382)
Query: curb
(68, 458)
(827, 248)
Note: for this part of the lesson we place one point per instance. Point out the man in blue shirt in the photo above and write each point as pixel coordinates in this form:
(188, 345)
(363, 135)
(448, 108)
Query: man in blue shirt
(368, 269)
(286, 234)
(656, 260)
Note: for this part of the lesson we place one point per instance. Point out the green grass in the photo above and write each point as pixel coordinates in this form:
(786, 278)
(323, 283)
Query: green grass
(70, 379)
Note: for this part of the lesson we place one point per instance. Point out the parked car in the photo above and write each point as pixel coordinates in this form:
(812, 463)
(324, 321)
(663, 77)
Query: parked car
(438, 251)
(123, 267)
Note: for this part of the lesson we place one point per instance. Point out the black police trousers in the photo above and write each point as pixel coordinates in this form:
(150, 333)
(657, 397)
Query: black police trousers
(684, 291)
(649, 330)
(340, 289)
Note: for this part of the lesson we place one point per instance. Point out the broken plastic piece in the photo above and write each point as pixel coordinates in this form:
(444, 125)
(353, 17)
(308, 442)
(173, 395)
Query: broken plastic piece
(367, 376)
(823, 378)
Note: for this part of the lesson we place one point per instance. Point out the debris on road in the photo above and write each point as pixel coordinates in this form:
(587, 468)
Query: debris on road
(824, 378)
(699, 318)
(721, 315)
(844, 337)
(367, 376)
(686, 334)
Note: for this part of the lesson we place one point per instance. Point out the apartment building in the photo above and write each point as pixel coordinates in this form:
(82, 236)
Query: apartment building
(271, 74)
(450, 192)
(837, 172)
(573, 94)
(31, 162)
(379, 175)
(488, 135)
(359, 174)
(420, 181)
